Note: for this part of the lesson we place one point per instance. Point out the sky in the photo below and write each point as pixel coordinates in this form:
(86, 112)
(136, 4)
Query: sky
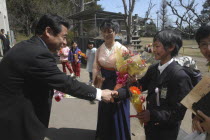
(141, 7)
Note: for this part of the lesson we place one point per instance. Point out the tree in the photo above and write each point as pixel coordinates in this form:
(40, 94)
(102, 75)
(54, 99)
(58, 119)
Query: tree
(205, 13)
(185, 21)
(147, 13)
(128, 18)
(150, 29)
(23, 13)
(147, 28)
(163, 14)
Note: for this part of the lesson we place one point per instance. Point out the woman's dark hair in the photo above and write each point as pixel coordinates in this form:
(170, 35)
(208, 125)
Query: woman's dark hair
(52, 21)
(110, 23)
(202, 32)
(169, 38)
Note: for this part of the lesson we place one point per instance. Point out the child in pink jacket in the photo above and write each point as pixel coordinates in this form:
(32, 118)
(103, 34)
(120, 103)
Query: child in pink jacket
(63, 53)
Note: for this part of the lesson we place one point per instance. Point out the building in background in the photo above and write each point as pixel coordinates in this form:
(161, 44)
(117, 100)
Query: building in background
(4, 24)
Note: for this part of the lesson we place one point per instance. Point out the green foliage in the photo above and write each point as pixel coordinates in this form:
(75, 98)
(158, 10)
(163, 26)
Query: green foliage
(70, 37)
(23, 13)
(205, 13)
(93, 5)
(150, 29)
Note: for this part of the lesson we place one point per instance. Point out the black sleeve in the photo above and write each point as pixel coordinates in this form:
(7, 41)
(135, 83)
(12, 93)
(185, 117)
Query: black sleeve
(145, 80)
(45, 70)
(124, 92)
(173, 110)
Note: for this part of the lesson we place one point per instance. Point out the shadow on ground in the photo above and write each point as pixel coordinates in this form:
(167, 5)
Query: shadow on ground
(70, 133)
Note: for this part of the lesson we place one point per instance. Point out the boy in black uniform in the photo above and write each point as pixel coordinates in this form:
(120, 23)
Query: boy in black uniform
(203, 39)
(167, 84)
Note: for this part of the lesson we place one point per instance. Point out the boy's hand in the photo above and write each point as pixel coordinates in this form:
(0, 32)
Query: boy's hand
(196, 125)
(144, 116)
(205, 124)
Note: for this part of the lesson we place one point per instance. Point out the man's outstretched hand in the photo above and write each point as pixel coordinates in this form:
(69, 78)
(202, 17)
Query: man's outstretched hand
(108, 95)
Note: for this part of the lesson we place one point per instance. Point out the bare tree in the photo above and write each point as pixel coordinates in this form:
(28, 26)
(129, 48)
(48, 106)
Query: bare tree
(147, 17)
(147, 13)
(128, 18)
(163, 14)
(187, 18)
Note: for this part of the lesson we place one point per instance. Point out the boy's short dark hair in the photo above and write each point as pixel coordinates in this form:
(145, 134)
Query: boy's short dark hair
(202, 32)
(52, 21)
(110, 23)
(169, 38)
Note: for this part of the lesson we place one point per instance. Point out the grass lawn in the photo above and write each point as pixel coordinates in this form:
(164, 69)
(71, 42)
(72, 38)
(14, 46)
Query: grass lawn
(190, 47)
(21, 37)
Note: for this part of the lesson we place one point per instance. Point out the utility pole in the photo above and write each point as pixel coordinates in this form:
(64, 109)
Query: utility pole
(157, 19)
(81, 21)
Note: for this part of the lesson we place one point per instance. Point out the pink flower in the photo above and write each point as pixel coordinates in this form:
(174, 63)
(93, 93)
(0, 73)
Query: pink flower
(129, 61)
(58, 95)
(121, 78)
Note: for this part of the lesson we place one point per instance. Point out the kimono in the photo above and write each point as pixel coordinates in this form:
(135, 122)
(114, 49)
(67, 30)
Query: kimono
(166, 112)
(113, 118)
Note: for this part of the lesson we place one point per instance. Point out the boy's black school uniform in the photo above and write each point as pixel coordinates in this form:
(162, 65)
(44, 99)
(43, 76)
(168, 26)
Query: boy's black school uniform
(173, 86)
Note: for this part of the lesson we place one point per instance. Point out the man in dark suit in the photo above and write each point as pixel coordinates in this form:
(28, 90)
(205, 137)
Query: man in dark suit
(28, 75)
(5, 41)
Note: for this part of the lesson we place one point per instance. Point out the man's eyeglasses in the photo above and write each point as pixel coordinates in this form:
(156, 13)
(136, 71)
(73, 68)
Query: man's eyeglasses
(204, 45)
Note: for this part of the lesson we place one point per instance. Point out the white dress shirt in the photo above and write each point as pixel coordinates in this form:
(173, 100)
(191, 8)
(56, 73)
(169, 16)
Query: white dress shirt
(162, 67)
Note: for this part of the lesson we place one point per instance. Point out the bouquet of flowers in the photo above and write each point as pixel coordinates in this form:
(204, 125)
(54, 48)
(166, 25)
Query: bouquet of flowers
(137, 99)
(82, 54)
(128, 63)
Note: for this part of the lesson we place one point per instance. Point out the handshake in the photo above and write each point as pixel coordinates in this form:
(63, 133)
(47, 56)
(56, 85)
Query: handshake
(108, 95)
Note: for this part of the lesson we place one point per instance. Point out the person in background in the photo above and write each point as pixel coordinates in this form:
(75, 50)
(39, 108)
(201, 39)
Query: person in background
(75, 58)
(63, 53)
(5, 41)
(90, 56)
(167, 84)
(113, 118)
(28, 75)
(202, 37)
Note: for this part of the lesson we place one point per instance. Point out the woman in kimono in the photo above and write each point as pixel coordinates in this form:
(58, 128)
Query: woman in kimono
(167, 84)
(113, 118)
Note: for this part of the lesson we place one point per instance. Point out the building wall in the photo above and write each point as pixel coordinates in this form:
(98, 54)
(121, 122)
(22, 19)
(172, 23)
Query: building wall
(4, 23)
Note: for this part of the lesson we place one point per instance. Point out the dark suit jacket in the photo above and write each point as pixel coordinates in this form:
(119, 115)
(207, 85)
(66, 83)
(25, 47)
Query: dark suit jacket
(173, 87)
(28, 75)
(5, 43)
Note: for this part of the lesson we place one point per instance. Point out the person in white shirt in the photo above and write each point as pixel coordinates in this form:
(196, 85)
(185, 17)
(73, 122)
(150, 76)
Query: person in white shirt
(90, 57)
